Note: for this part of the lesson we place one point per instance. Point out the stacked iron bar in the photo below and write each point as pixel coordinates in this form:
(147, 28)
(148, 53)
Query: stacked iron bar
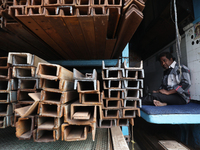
(77, 29)
(82, 114)
(121, 95)
(57, 84)
(8, 93)
(24, 71)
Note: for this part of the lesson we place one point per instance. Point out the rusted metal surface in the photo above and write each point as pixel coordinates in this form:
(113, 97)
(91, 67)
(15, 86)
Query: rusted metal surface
(24, 59)
(25, 127)
(48, 123)
(6, 109)
(114, 84)
(56, 85)
(53, 72)
(52, 110)
(6, 73)
(54, 97)
(74, 132)
(24, 72)
(5, 121)
(8, 85)
(90, 98)
(24, 98)
(46, 135)
(8, 96)
(4, 62)
(28, 84)
(88, 86)
(107, 123)
(122, 122)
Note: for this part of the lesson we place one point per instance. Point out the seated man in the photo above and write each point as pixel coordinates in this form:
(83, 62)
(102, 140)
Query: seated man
(171, 91)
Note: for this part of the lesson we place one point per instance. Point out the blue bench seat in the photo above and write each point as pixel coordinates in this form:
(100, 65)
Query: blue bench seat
(172, 114)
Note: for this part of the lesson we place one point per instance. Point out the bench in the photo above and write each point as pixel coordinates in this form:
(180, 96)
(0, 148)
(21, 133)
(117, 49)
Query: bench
(172, 114)
(186, 116)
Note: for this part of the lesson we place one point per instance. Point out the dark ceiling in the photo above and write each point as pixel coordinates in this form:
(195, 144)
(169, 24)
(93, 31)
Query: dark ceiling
(157, 28)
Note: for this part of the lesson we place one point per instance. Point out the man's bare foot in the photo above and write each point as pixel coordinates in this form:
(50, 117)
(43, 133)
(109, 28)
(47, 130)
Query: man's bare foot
(158, 103)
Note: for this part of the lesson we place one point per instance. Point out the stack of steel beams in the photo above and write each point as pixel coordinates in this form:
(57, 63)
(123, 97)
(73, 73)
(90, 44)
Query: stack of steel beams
(57, 84)
(73, 29)
(80, 117)
(121, 94)
(8, 93)
(24, 71)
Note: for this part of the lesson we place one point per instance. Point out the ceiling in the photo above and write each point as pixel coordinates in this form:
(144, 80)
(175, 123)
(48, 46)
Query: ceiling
(157, 28)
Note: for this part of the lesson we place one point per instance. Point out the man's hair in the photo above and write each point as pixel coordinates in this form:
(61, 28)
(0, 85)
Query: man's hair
(167, 55)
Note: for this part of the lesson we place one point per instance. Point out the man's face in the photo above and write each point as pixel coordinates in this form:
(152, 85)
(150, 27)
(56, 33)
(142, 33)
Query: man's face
(165, 62)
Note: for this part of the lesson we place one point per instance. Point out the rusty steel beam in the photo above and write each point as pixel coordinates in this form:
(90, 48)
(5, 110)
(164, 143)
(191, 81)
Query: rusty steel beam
(124, 33)
(122, 122)
(110, 44)
(6, 73)
(107, 123)
(68, 2)
(114, 15)
(53, 72)
(90, 77)
(46, 135)
(52, 3)
(69, 16)
(28, 84)
(74, 132)
(83, 112)
(24, 98)
(87, 26)
(57, 97)
(30, 109)
(111, 104)
(6, 109)
(90, 98)
(100, 3)
(24, 59)
(133, 83)
(114, 3)
(110, 113)
(88, 87)
(24, 72)
(114, 84)
(52, 110)
(132, 103)
(48, 123)
(25, 127)
(5, 121)
(59, 32)
(100, 18)
(133, 93)
(35, 2)
(56, 85)
(8, 96)
(116, 93)
(4, 62)
(8, 85)
(18, 12)
(131, 113)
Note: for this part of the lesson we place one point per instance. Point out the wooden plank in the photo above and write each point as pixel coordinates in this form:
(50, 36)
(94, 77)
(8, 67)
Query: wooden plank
(172, 145)
(118, 139)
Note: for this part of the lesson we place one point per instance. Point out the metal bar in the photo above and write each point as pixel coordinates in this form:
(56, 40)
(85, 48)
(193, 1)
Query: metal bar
(53, 72)
(24, 98)
(74, 133)
(52, 110)
(90, 98)
(6, 73)
(56, 85)
(87, 26)
(8, 85)
(24, 127)
(8, 96)
(48, 123)
(69, 17)
(55, 97)
(100, 19)
(24, 72)
(29, 84)
(24, 59)
(6, 109)
(3, 62)
(88, 87)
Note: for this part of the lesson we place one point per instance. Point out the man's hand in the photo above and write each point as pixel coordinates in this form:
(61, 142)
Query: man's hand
(163, 91)
(155, 91)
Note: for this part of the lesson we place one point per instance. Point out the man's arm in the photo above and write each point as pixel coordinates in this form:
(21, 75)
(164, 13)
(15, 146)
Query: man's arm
(166, 92)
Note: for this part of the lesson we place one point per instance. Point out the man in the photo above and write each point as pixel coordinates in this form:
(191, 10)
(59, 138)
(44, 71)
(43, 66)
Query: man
(171, 91)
